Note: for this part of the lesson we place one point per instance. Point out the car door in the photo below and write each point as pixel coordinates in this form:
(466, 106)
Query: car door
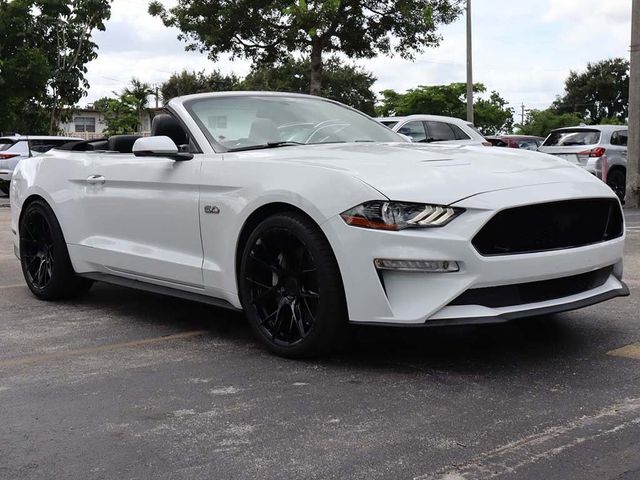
(617, 153)
(144, 218)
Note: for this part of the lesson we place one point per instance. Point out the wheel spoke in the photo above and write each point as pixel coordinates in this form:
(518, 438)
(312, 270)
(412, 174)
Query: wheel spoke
(255, 282)
(266, 265)
(310, 294)
(280, 281)
(265, 294)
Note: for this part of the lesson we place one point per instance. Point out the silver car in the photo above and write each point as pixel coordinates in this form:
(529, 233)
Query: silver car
(17, 147)
(599, 149)
(435, 129)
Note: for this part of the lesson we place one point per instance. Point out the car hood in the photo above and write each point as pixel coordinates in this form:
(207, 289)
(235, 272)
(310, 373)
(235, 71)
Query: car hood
(429, 173)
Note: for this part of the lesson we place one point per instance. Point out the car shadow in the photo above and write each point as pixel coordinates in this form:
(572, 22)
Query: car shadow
(534, 343)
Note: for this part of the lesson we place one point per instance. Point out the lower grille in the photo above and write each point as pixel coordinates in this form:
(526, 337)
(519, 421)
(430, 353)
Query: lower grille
(550, 226)
(523, 293)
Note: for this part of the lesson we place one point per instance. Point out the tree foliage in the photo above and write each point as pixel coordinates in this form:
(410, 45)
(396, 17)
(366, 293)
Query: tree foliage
(348, 84)
(492, 115)
(186, 83)
(601, 91)
(541, 122)
(45, 46)
(269, 31)
(137, 95)
(123, 114)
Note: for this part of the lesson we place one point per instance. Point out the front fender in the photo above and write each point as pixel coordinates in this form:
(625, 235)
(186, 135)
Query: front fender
(240, 189)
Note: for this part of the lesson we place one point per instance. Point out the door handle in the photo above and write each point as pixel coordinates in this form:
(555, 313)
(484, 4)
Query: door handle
(95, 180)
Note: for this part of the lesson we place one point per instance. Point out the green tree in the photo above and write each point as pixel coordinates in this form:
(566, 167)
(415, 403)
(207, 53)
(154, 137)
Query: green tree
(24, 70)
(44, 48)
(492, 114)
(269, 31)
(601, 91)
(120, 116)
(348, 84)
(123, 114)
(138, 96)
(186, 83)
(541, 122)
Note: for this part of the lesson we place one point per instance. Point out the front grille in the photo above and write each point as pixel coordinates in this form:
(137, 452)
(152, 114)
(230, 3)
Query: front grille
(523, 293)
(550, 226)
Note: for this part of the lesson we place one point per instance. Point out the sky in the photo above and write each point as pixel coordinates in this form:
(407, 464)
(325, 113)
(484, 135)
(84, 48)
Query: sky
(522, 49)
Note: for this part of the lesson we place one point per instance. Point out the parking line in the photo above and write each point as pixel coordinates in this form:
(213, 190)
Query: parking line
(628, 351)
(16, 285)
(100, 348)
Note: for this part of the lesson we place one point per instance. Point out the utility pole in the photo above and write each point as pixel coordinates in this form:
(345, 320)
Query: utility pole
(633, 157)
(522, 115)
(469, 66)
(156, 94)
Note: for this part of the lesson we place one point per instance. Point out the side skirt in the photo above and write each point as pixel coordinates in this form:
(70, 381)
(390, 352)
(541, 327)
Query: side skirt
(162, 290)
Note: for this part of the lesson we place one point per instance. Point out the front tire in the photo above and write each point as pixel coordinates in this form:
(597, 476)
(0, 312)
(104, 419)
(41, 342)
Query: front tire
(291, 288)
(44, 257)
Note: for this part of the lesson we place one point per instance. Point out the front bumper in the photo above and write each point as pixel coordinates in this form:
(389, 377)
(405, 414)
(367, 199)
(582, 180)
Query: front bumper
(416, 298)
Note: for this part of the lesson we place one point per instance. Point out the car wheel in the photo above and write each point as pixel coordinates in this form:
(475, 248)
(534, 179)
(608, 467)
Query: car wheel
(44, 257)
(617, 180)
(291, 288)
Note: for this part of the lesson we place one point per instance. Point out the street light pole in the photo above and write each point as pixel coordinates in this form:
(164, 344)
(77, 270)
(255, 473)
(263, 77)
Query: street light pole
(633, 158)
(469, 66)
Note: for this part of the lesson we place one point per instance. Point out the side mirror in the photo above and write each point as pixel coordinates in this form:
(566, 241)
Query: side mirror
(160, 146)
(407, 138)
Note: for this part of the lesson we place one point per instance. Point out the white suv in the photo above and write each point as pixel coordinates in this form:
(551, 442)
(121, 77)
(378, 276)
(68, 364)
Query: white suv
(435, 129)
(17, 147)
(599, 149)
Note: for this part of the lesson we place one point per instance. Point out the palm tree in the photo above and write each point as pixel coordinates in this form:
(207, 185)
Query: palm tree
(138, 95)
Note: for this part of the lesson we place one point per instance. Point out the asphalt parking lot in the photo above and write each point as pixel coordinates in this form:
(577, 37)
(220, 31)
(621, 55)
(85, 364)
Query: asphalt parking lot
(130, 385)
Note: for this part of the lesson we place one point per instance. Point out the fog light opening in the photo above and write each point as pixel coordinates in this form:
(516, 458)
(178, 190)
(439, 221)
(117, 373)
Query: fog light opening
(431, 266)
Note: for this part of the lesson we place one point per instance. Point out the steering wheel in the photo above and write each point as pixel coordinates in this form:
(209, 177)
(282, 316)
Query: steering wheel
(324, 125)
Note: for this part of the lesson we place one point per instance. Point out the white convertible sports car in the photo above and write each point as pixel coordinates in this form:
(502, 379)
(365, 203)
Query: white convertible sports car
(309, 215)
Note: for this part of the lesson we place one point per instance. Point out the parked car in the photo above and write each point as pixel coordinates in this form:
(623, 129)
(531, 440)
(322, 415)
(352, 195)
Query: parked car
(599, 149)
(435, 129)
(526, 142)
(306, 229)
(16, 147)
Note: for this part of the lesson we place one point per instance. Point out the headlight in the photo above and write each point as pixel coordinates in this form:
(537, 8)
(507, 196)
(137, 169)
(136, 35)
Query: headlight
(383, 215)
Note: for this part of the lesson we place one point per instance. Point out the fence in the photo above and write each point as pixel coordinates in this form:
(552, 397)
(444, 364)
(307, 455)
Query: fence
(94, 136)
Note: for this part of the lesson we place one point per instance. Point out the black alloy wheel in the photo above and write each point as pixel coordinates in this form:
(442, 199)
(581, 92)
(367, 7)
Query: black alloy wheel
(44, 257)
(617, 181)
(37, 251)
(291, 288)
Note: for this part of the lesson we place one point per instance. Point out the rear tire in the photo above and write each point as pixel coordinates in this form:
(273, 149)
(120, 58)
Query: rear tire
(617, 181)
(44, 256)
(291, 289)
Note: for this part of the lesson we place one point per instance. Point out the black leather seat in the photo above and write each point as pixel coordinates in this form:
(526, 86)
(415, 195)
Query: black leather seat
(122, 143)
(165, 124)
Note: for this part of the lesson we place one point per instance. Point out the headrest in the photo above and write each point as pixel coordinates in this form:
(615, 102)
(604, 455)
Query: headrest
(122, 143)
(165, 124)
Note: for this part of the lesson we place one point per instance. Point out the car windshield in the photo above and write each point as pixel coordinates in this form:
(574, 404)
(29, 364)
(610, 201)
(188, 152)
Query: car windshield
(389, 123)
(5, 144)
(247, 122)
(568, 138)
